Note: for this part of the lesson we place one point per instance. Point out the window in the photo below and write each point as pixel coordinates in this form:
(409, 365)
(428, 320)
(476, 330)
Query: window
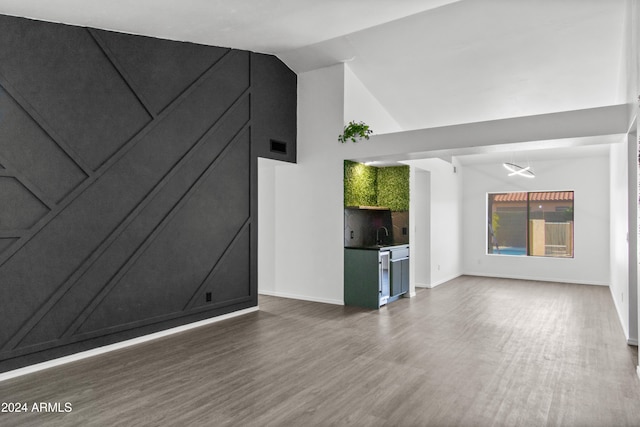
(530, 223)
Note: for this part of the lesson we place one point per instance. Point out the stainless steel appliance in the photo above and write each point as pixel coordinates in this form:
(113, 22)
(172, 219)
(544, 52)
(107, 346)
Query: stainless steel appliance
(384, 284)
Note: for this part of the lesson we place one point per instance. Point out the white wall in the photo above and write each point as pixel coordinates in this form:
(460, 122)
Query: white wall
(266, 226)
(633, 91)
(420, 224)
(308, 209)
(361, 105)
(630, 92)
(304, 202)
(632, 206)
(624, 283)
(630, 58)
(444, 221)
(619, 228)
(589, 179)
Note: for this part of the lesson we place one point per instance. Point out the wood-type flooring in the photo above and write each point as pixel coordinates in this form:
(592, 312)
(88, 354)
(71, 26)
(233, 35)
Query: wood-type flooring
(472, 352)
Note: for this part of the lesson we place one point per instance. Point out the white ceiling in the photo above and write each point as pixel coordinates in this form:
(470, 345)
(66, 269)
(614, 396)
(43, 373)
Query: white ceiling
(429, 62)
(268, 26)
(479, 60)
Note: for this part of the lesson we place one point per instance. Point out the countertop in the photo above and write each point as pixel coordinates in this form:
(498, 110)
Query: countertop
(378, 247)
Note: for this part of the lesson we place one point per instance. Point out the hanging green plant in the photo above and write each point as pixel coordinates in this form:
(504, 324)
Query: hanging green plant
(355, 132)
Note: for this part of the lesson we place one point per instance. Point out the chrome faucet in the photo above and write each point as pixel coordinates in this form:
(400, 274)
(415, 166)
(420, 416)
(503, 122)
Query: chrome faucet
(378, 241)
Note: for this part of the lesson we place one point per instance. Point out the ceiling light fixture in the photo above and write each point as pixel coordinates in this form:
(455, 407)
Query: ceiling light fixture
(519, 170)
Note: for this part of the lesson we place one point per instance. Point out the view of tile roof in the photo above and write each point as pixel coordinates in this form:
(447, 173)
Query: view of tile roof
(538, 197)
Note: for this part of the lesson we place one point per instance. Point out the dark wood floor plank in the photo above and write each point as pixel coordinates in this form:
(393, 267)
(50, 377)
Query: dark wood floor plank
(473, 352)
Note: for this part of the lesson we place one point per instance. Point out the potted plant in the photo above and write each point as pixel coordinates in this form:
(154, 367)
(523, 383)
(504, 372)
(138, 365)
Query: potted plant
(355, 132)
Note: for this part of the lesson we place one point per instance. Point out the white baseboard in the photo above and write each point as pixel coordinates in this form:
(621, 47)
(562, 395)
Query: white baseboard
(538, 279)
(632, 341)
(445, 280)
(638, 371)
(300, 297)
(625, 327)
(119, 345)
(439, 282)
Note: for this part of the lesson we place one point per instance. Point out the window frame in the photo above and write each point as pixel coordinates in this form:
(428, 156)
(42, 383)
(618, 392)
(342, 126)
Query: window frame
(488, 222)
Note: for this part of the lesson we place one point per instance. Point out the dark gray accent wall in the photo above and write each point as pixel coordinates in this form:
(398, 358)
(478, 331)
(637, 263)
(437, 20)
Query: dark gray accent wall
(128, 183)
(270, 81)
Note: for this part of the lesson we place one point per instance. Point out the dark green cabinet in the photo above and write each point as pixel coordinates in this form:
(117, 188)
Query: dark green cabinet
(375, 276)
(399, 277)
(399, 270)
(364, 278)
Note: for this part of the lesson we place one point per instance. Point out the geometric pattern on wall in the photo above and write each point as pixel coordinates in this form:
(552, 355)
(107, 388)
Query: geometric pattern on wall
(128, 186)
(20, 208)
(28, 150)
(72, 85)
(158, 76)
(6, 242)
(218, 282)
(203, 228)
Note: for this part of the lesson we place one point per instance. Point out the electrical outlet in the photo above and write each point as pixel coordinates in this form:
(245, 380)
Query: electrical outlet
(207, 296)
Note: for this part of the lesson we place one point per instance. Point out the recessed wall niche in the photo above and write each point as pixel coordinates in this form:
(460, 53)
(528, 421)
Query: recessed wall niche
(377, 187)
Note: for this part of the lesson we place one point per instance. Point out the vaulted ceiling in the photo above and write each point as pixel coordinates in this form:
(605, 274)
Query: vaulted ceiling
(429, 62)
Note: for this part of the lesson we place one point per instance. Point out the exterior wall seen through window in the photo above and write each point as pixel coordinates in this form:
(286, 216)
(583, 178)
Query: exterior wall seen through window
(530, 224)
